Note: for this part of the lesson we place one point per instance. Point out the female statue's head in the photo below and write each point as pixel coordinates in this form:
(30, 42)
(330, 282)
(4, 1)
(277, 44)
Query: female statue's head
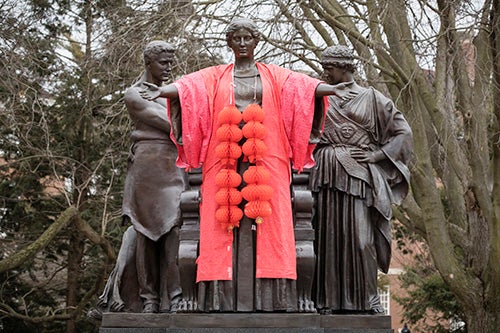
(242, 37)
(339, 56)
(338, 64)
(242, 23)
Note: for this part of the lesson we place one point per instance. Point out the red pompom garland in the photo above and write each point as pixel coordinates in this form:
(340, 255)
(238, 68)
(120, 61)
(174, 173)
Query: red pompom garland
(257, 191)
(228, 197)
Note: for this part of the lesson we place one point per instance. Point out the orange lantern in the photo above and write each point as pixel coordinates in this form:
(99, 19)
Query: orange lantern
(258, 209)
(254, 129)
(229, 115)
(253, 112)
(254, 192)
(228, 196)
(229, 132)
(257, 174)
(228, 151)
(227, 178)
(229, 216)
(254, 149)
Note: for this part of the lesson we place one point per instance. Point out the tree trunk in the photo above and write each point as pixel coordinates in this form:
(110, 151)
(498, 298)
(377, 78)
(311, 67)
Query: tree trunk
(481, 320)
(75, 255)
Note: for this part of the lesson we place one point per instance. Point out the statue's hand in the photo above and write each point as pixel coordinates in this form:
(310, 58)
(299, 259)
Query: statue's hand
(343, 91)
(150, 93)
(366, 156)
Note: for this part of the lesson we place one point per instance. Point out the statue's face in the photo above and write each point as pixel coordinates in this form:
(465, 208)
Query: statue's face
(161, 67)
(242, 43)
(332, 74)
(347, 131)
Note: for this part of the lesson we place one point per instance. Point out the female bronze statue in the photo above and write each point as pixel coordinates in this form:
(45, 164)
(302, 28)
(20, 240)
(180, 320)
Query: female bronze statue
(285, 110)
(361, 170)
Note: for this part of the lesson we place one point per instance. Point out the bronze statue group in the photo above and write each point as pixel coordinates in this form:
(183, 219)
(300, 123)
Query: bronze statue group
(247, 125)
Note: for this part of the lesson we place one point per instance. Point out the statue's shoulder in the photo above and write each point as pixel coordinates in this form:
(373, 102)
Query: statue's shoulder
(378, 94)
(131, 95)
(207, 73)
(131, 92)
(217, 69)
(273, 68)
(277, 73)
(382, 101)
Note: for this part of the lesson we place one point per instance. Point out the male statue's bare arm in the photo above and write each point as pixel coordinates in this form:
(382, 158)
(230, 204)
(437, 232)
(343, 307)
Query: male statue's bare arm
(151, 113)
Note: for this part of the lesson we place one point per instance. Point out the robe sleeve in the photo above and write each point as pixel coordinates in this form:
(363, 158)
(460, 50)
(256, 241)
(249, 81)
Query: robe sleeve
(196, 124)
(397, 145)
(298, 103)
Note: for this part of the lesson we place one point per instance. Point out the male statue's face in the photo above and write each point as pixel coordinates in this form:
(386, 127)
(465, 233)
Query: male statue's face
(161, 67)
(243, 43)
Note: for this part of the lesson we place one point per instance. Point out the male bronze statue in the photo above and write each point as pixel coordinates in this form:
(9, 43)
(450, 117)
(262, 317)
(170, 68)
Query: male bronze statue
(146, 276)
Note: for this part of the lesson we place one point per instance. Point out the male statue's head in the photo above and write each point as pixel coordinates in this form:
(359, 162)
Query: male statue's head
(158, 59)
(155, 48)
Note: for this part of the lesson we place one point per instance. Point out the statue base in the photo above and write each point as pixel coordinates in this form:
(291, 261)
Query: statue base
(243, 323)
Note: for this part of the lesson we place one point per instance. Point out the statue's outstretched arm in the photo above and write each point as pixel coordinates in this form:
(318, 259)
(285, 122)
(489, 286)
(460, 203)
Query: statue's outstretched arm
(152, 91)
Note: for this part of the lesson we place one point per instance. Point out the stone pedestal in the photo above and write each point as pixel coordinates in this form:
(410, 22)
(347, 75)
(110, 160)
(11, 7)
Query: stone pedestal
(243, 323)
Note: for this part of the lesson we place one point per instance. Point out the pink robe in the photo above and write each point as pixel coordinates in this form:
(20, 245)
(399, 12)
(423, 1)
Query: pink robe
(288, 100)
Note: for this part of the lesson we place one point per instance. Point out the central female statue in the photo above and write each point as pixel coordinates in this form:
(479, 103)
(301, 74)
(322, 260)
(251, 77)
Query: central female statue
(246, 124)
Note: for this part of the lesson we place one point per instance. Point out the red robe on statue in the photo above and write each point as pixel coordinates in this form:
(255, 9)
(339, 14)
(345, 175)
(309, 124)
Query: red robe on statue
(288, 100)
